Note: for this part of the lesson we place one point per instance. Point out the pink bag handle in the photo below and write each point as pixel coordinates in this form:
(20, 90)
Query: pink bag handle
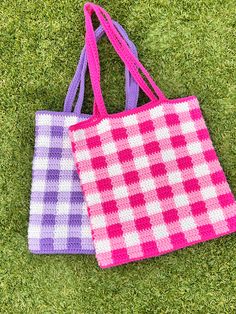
(132, 63)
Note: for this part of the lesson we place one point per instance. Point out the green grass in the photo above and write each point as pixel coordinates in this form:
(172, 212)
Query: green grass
(189, 47)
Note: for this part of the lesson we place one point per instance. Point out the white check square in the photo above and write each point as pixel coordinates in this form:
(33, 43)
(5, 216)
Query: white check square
(60, 231)
(66, 143)
(44, 119)
(102, 246)
(120, 192)
(160, 232)
(38, 186)
(79, 135)
(187, 223)
(86, 232)
(126, 215)
(63, 209)
(156, 112)
(98, 221)
(115, 170)
(208, 192)
(147, 185)
(65, 186)
(135, 141)
(162, 133)
(153, 208)
(34, 232)
(168, 155)
(141, 162)
(130, 120)
(93, 199)
(175, 177)
(216, 215)
(194, 148)
(103, 126)
(87, 176)
(42, 141)
(201, 170)
(82, 155)
(67, 164)
(70, 121)
(36, 208)
(188, 127)
(40, 164)
(109, 148)
(84, 209)
(131, 239)
(182, 107)
(181, 200)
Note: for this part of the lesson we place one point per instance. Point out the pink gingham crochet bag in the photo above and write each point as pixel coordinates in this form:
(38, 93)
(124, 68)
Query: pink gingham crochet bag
(150, 176)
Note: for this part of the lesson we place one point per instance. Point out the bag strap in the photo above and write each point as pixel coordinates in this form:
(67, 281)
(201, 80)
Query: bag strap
(78, 81)
(130, 61)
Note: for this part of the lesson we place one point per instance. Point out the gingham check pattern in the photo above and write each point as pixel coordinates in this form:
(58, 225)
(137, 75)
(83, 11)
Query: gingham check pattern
(58, 220)
(152, 181)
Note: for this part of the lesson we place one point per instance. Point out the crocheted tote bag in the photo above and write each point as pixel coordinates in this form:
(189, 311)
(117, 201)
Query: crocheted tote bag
(151, 178)
(58, 221)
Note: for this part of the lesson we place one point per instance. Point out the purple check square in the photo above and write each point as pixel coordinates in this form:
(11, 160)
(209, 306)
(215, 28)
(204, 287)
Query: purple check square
(50, 197)
(49, 220)
(74, 242)
(57, 131)
(46, 244)
(55, 153)
(53, 175)
(75, 176)
(76, 197)
(75, 220)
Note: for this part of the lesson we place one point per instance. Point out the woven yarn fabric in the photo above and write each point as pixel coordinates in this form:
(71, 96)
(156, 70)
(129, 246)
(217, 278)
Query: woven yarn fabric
(152, 181)
(58, 221)
(150, 176)
(58, 215)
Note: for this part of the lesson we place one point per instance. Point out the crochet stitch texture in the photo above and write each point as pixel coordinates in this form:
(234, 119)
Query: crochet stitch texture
(150, 176)
(58, 221)
(58, 215)
(152, 181)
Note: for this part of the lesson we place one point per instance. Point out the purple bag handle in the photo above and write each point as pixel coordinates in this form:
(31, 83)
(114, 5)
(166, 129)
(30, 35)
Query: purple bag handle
(131, 87)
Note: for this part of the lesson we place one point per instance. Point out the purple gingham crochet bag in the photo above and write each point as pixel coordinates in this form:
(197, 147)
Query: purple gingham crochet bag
(58, 221)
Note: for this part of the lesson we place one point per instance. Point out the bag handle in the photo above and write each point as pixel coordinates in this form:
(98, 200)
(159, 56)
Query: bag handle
(131, 62)
(131, 87)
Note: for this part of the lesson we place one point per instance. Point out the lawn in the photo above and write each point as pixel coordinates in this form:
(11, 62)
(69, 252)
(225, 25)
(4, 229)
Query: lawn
(189, 47)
